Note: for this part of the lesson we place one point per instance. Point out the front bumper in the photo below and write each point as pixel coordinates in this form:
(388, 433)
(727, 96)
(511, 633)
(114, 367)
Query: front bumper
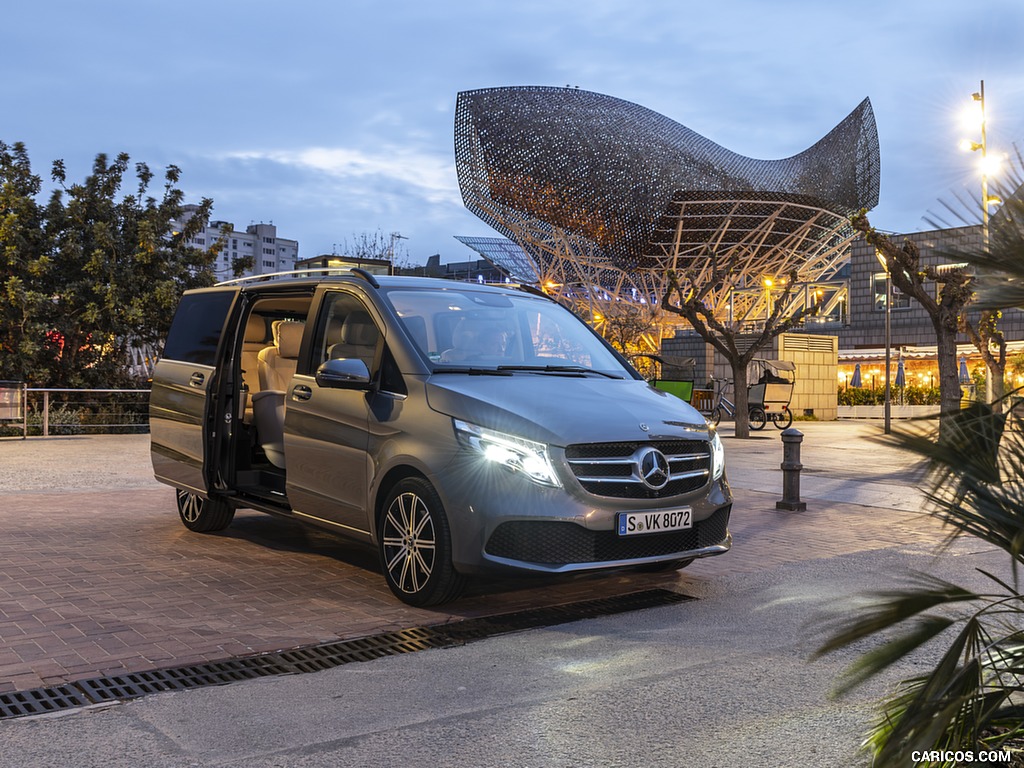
(562, 547)
(501, 522)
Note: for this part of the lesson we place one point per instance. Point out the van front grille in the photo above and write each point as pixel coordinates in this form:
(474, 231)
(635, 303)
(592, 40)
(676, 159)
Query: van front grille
(614, 469)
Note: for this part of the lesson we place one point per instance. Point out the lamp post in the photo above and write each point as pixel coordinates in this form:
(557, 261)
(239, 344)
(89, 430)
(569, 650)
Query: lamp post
(987, 200)
(888, 340)
(986, 167)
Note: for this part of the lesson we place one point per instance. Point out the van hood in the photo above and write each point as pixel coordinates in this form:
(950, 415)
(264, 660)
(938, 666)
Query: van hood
(563, 410)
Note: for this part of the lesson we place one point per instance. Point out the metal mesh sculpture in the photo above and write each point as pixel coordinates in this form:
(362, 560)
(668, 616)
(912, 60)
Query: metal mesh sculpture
(606, 196)
(634, 187)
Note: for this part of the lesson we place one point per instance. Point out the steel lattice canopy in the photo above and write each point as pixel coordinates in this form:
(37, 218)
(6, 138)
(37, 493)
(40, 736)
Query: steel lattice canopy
(641, 190)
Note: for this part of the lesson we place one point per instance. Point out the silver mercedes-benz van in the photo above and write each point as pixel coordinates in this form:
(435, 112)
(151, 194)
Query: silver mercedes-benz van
(458, 428)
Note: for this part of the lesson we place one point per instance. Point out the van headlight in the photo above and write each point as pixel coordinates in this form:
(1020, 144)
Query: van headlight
(717, 456)
(514, 453)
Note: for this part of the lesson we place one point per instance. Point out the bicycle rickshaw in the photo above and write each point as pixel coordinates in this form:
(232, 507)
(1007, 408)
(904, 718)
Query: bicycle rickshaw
(769, 393)
(769, 390)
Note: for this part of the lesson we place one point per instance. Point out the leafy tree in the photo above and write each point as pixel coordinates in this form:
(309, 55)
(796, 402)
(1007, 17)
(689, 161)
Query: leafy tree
(25, 348)
(90, 272)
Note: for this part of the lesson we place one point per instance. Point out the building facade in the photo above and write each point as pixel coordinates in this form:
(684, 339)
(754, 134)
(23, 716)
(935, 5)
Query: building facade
(260, 242)
(912, 337)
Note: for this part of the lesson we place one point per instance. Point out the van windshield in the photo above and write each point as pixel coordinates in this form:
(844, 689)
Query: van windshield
(465, 328)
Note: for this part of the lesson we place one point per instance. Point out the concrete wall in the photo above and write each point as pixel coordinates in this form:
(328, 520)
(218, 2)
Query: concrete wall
(817, 371)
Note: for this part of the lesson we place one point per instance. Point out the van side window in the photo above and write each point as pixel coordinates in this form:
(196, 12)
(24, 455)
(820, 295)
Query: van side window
(391, 379)
(347, 330)
(197, 327)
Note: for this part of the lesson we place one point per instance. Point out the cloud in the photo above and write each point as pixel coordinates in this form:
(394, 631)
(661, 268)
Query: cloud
(432, 176)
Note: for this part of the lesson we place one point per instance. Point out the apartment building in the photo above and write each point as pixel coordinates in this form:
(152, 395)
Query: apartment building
(269, 252)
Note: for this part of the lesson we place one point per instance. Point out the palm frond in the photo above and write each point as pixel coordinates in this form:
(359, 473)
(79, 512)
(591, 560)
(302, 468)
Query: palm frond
(887, 608)
(879, 659)
(974, 477)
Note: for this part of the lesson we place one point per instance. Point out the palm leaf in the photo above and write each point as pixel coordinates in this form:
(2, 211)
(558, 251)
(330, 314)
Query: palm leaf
(886, 608)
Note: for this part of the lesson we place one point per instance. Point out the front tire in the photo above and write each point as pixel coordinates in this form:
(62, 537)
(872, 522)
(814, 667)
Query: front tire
(758, 418)
(203, 515)
(414, 542)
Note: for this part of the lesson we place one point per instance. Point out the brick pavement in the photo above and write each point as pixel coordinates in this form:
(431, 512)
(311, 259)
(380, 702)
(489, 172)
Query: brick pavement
(97, 575)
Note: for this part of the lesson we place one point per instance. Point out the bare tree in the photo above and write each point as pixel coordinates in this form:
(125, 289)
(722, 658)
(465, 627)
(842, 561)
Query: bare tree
(738, 347)
(945, 310)
(633, 332)
(991, 343)
(376, 245)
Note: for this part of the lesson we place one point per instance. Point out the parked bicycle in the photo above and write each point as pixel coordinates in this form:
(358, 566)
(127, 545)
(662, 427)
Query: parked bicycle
(724, 407)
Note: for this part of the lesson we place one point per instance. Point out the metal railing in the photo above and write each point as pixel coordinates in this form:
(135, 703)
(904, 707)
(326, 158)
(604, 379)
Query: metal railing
(80, 411)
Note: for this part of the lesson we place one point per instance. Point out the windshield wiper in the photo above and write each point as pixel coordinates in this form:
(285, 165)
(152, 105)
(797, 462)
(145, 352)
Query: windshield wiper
(474, 371)
(577, 369)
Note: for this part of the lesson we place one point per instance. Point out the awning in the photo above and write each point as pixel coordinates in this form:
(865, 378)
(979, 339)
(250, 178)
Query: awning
(873, 354)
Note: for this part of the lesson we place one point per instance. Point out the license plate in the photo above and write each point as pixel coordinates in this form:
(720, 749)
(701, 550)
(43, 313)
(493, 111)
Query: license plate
(660, 521)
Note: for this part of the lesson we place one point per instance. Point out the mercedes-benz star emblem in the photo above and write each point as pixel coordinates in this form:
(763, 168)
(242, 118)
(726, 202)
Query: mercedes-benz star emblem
(653, 468)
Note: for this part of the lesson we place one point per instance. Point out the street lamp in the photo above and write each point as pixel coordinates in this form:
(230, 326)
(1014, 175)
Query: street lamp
(987, 167)
(888, 339)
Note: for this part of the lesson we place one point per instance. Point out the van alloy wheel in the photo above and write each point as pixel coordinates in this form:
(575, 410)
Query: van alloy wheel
(203, 515)
(415, 545)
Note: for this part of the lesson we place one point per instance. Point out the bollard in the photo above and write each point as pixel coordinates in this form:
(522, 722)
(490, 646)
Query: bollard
(791, 466)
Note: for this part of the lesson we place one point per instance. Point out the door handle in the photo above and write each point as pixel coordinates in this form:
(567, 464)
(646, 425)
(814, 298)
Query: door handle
(197, 379)
(301, 392)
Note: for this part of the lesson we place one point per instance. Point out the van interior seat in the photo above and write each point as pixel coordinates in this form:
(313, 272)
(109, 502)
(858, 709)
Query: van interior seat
(359, 336)
(253, 342)
(277, 365)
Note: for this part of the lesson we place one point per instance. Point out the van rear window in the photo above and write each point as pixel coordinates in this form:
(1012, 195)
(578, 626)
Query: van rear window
(197, 326)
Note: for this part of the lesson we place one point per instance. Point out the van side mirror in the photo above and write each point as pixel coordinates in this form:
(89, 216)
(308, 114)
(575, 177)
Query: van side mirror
(343, 373)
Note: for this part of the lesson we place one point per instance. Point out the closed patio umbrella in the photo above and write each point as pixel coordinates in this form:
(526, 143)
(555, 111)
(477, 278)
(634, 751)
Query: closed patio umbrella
(965, 375)
(901, 376)
(855, 381)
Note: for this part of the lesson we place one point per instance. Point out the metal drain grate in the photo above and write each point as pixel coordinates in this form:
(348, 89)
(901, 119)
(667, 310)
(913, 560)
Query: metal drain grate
(40, 701)
(99, 690)
(135, 684)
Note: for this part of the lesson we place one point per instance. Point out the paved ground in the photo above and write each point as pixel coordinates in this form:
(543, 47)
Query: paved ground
(97, 576)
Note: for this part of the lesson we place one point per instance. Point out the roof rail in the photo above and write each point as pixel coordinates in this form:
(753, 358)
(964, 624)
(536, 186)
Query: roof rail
(367, 276)
(298, 274)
